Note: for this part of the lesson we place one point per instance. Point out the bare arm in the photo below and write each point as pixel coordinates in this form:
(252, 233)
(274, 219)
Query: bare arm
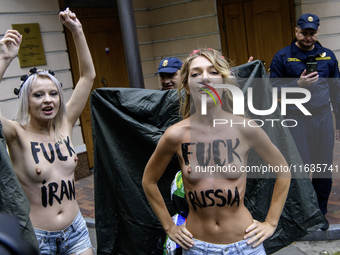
(9, 48)
(86, 68)
(271, 155)
(155, 168)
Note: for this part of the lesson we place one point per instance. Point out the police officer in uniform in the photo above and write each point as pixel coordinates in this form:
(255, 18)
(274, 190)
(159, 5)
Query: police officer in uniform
(306, 64)
(168, 72)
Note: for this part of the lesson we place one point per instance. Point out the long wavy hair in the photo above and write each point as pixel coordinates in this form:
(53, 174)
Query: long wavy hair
(220, 64)
(23, 115)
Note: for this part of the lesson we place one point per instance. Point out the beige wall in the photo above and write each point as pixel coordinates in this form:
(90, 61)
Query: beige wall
(173, 28)
(328, 12)
(46, 14)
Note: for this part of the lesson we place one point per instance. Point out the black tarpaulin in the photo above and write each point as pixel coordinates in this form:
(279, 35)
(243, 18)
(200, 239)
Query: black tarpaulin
(13, 200)
(127, 124)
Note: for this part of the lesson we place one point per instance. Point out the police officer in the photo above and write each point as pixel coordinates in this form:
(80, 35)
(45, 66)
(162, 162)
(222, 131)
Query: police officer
(313, 67)
(168, 71)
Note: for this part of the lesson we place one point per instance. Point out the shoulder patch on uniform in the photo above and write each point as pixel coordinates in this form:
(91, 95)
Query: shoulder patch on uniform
(323, 58)
(293, 60)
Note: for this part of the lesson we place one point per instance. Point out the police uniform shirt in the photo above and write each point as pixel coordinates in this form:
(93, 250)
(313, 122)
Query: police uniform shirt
(290, 62)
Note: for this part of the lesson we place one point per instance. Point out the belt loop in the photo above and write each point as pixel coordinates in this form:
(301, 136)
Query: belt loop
(74, 222)
(241, 245)
(74, 226)
(48, 234)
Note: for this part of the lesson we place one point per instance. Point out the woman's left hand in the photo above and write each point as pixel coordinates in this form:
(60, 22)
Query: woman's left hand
(258, 232)
(69, 19)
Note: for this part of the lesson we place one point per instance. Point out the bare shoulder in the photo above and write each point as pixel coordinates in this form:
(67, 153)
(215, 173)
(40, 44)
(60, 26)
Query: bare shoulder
(175, 133)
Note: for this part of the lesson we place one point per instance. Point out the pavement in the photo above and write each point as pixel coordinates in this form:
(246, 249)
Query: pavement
(311, 248)
(315, 243)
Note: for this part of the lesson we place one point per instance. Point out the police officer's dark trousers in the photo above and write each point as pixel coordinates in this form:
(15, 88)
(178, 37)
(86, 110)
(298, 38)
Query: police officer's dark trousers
(314, 137)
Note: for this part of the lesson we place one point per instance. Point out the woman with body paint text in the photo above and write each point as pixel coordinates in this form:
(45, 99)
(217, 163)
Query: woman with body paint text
(40, 144)
(217, 221)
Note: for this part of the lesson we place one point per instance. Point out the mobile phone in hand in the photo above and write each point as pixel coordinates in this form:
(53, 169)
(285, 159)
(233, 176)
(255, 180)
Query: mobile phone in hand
(311, 65)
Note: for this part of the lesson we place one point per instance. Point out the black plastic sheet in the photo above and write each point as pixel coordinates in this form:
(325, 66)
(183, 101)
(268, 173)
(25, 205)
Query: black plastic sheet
(13, 199)
(127, 124)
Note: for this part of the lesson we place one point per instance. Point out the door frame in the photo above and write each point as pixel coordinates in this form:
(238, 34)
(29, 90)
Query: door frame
(221, 24)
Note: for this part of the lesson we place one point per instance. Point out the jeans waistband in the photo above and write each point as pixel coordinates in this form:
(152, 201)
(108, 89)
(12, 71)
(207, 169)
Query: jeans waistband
(223, 245)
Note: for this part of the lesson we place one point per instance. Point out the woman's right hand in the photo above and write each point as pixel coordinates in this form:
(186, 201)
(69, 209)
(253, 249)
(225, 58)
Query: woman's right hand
(181, 236)
(9, 44)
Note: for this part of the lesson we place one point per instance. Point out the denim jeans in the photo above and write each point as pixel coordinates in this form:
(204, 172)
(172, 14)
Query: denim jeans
(73, 239)
(238, 248)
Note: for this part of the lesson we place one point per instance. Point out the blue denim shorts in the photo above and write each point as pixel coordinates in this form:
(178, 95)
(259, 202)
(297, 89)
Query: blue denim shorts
(73, 239)
(238, 248)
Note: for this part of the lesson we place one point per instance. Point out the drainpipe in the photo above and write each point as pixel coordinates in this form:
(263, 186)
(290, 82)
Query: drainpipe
(130, 41)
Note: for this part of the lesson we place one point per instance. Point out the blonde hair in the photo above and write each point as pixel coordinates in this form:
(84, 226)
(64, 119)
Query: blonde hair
(23, 116)
(220, 64)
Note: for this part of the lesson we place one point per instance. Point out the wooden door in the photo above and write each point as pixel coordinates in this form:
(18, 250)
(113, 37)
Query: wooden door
(103, 34)
(257, 28)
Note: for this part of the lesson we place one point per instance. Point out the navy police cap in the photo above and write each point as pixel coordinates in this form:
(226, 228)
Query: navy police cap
(308, 21)
(169, 65)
